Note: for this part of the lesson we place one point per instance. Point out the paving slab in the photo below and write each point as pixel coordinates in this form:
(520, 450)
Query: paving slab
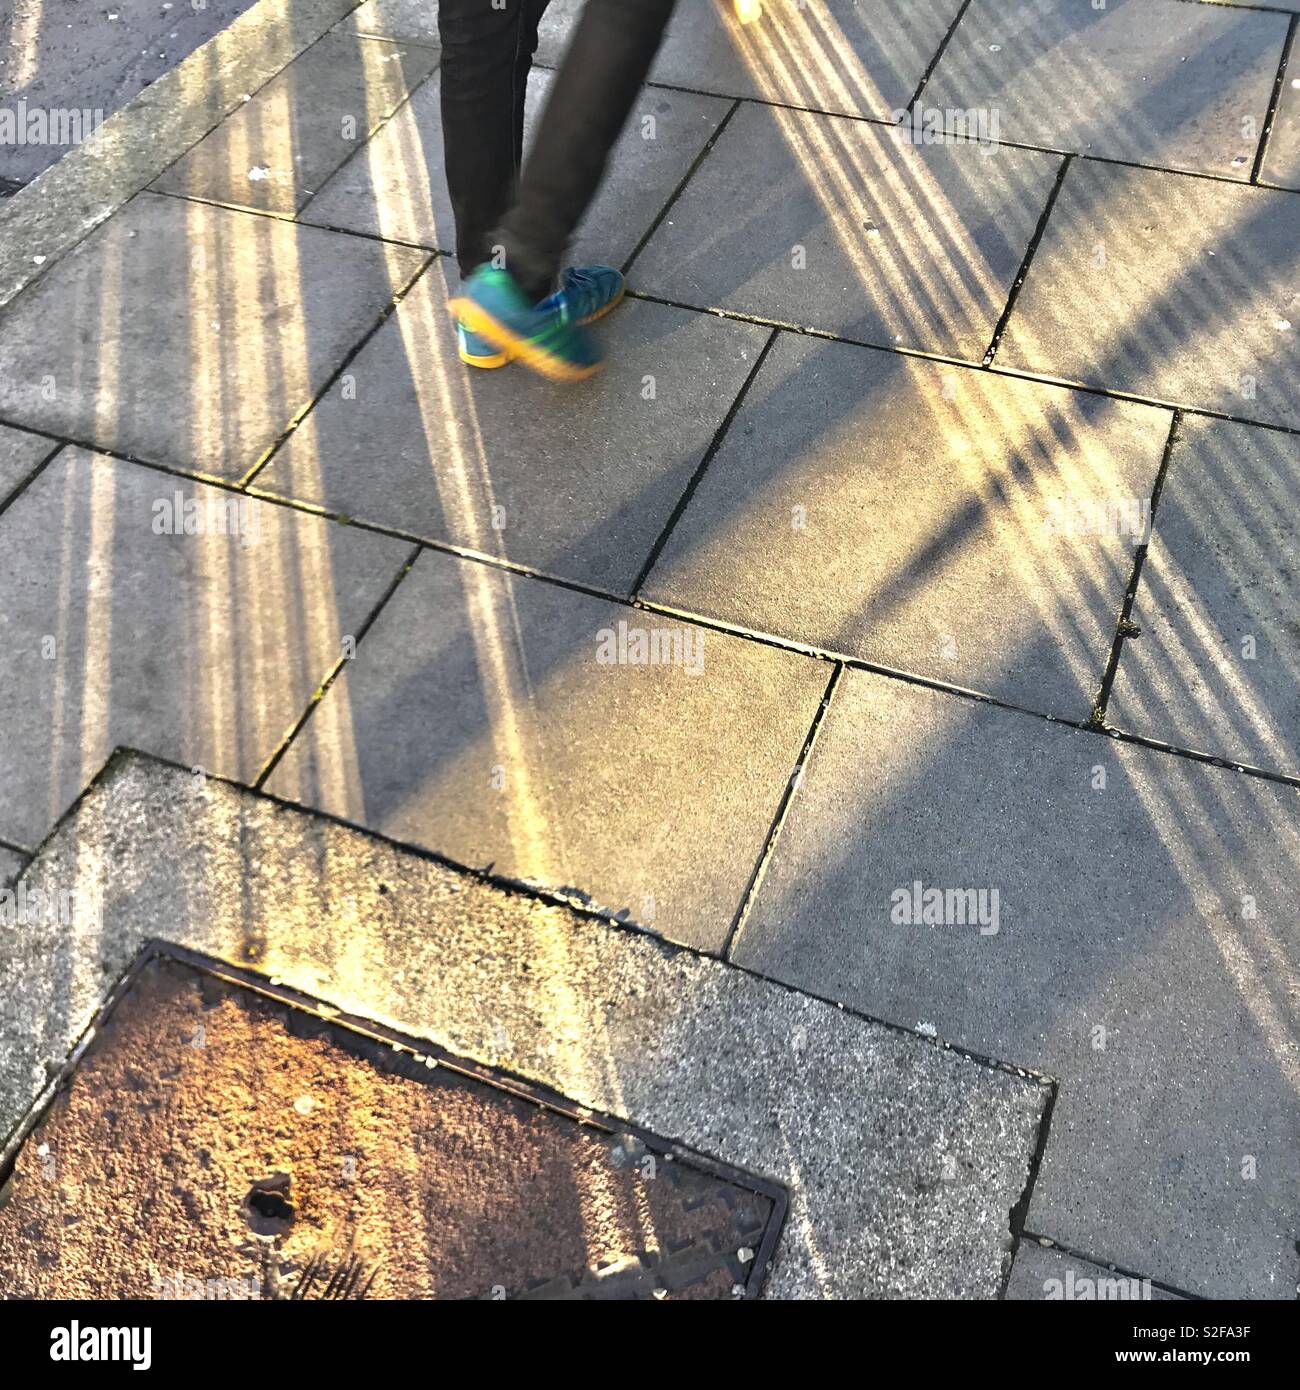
(394, 187)
(1282, 155)
(563, 736)
(839, 225)
(859, 1121)
(1169, 287)
(943, 521)
(1118, 917)
(1216, 667)
(829, 55)
(574, 482)
(1046, 1274)
(277, 149)
(60, 55)
(20, 452)
(117, 627)
(191, 335)
(1148, 81)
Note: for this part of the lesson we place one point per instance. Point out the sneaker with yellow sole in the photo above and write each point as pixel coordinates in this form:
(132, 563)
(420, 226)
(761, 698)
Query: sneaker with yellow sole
(506, 329)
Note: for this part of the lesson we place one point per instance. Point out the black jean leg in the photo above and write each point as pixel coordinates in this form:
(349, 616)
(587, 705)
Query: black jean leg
(486, 57)
(613, 45)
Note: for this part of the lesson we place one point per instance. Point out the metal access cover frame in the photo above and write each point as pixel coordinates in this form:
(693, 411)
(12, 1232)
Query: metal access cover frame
(367, 1034)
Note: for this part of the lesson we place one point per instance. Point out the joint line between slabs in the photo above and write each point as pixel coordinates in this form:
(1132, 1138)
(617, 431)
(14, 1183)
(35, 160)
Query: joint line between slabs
(294, 220)
(681, 187)
(387, 120)
(943, 48)
(32, 475)
(793, 783)
(318, 696)
(384, 315)
(1275, 100)
(1018, 283)
(1123, 623)
(714, 445)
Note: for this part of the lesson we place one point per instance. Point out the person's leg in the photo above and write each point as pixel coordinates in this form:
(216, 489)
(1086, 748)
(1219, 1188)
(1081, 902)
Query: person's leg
(533, 12)
(486, 56)
(613, 45)
(509, 305)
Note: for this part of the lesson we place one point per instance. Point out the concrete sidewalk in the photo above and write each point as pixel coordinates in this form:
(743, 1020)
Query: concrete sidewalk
(907, 615)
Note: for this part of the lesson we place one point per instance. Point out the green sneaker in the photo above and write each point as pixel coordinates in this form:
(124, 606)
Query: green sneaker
(542, 336)
(588, 292)
(478, 352)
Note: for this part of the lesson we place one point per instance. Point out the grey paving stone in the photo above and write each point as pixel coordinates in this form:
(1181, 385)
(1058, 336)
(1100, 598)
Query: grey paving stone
(415, 20)
(648, 787)
(10, 863)
(1282, 156)
(827, 223)
(276, 150)
(932, 519)
(394, 187)
(1217, 665)
(1150, 81)
(1144, 954)
(1176, 288)
(829, 55)
(189, 334)
(62, 55)
(1048, 1275)
(577, 483)
(860, 1121)
(203, 647)
(20, 452)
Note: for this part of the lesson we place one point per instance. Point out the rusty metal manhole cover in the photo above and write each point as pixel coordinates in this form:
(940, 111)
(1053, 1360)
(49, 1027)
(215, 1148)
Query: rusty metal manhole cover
(216, 1136)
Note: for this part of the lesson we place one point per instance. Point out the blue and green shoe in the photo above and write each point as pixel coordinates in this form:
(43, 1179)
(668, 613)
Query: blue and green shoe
(496, 324)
